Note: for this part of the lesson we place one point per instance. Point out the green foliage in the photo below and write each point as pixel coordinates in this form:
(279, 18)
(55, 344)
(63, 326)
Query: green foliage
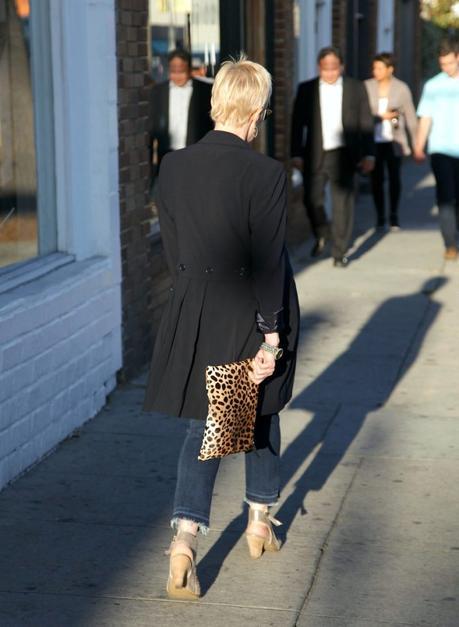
(442, 13)
(440, 20)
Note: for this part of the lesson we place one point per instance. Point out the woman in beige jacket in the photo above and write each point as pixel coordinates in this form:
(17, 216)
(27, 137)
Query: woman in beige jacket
(392, 106)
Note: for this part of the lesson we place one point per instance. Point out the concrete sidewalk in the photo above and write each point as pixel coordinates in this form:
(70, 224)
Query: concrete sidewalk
(370, 472)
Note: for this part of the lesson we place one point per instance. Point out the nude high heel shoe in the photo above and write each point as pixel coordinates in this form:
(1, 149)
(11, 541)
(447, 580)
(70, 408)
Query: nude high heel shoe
(183, 581)
(259, 534)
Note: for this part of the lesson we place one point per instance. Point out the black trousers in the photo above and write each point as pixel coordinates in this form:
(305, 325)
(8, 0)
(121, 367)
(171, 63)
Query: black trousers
(446, 172)
(337, 170)
(386, 158)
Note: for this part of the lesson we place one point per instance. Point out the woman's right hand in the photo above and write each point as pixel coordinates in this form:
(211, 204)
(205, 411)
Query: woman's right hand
(419, 155)
(263, 366)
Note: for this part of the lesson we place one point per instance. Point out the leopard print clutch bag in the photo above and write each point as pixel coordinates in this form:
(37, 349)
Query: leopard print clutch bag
(233, 399)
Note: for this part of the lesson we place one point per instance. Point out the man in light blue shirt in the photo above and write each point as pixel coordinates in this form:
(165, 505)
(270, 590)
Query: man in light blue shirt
(438, 111)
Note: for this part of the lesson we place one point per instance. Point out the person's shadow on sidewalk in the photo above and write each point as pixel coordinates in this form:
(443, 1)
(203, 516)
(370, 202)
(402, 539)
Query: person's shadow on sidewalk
(302, 258)
(360, 377)
(368, 244)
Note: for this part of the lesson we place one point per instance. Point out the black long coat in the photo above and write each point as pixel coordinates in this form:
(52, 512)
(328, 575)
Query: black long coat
(358, 126)
(222, 209)
(199, 120)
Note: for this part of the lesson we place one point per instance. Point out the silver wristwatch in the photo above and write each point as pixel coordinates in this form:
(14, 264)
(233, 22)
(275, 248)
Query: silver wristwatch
(274, 350)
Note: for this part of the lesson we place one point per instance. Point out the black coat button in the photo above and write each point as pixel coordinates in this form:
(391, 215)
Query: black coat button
(209, 270)
(182, 267)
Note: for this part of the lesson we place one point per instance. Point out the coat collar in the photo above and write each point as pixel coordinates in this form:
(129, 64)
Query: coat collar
(225, 138)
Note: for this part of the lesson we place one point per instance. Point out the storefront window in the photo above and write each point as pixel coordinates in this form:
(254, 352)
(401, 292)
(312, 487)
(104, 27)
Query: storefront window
(193, 25)
(20, 231)
(18, 181)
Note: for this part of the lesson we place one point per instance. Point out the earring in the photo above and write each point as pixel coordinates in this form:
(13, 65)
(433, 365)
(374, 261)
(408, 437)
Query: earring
(255, 132)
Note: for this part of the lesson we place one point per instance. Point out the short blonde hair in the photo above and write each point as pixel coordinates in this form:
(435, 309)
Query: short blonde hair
(240, 88)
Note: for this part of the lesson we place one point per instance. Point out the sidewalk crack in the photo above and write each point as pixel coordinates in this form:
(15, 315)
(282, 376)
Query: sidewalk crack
(324, 546)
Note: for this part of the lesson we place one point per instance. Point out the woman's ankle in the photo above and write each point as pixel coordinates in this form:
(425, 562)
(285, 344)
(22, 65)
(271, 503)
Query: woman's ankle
(257, 526)
(185, 525)
(185, 539)
(262, 507)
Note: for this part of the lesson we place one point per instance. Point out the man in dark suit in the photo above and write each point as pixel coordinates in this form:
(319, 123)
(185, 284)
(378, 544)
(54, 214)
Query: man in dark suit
(179, 109)
(334, 111)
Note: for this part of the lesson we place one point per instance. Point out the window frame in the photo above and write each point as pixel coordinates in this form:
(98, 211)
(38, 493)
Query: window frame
(43, 128)
(43, 100)
(78, 138)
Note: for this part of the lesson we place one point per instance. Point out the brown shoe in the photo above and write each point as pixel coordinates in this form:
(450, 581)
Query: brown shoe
(451, 253)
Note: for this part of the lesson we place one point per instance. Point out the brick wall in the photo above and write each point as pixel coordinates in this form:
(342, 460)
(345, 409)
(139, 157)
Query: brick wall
(58, 359)
(145, 281)
(339, 12)
(298, 229)
(283, 76)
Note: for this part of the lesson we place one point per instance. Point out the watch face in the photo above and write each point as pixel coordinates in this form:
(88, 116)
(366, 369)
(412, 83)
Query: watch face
(276, 352)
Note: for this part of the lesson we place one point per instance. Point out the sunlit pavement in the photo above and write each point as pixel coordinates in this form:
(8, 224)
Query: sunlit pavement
(370, 471)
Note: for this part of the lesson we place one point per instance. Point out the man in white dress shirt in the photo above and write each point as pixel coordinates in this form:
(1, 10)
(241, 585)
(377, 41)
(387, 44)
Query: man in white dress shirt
(179, 108)
(332, 137)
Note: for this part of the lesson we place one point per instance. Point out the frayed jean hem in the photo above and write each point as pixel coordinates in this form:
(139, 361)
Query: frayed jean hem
(202, 527)
(262, 500)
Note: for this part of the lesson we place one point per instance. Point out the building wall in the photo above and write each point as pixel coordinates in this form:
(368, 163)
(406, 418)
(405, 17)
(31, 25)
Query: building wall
(339, 12)
(145, 280)
(361, 39)
(386, 26)
(360, 35)
(59, 352)
(407, 43)
(284, 73)
(60, 327)
(269, 40)
(315, 32)
(369, 44)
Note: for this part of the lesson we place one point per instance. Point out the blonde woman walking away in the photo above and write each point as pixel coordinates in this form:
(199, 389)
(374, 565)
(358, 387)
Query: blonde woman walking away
(222, 209)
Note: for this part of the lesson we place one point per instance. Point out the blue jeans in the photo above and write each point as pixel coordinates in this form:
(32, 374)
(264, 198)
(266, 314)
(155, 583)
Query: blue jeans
(195, 479)
(446, 172)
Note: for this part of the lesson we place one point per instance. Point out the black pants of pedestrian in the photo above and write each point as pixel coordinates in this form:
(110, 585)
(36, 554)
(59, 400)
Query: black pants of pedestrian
(337, 170)
(446, 172)
(386, 159)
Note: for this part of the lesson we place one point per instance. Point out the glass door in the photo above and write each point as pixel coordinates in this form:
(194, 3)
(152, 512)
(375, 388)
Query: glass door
(192, 25)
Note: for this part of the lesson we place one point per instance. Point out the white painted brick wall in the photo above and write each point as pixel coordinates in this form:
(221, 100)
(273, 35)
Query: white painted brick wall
(60, 334)
(58, 359)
